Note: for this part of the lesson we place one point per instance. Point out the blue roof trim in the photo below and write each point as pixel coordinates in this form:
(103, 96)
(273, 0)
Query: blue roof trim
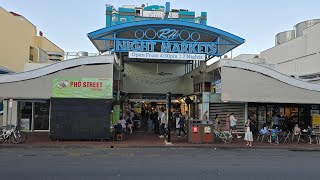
(102, 31)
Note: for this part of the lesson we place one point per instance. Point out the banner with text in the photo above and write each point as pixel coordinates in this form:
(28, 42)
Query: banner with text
(170, 56)
(95, 88)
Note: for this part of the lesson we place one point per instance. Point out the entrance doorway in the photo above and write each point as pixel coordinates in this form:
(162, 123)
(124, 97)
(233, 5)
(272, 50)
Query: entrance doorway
(141, 108)
(41, 115)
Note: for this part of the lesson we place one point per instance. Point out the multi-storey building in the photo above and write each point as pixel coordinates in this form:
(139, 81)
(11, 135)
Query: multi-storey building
(21, 45)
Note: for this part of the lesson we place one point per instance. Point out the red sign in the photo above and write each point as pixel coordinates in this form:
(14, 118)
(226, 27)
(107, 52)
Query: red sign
(195, 129)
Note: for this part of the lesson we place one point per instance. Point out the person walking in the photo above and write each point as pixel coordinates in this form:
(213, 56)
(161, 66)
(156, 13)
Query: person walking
(182, 123)
(205, 116)
(233, 124)
(248, 135)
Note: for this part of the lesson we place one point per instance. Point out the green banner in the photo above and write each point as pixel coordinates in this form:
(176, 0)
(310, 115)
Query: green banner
(93, 88)
(116, 114)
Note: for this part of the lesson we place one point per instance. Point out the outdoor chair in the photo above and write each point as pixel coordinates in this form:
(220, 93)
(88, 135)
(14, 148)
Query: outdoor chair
(274, 137)
(262, 136)
(314, 138)
(119, 137)
(296, 135)
(286, 136)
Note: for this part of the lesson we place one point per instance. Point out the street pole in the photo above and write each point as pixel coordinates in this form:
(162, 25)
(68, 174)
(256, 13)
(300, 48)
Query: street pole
(169, 114)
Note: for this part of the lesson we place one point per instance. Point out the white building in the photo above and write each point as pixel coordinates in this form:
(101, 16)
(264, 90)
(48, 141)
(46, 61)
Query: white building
(297, 52)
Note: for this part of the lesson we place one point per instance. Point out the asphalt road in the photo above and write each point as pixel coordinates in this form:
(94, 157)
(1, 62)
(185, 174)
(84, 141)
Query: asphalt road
(158, 163)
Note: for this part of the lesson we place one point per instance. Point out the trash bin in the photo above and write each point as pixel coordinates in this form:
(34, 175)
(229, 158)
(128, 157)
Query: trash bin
(207, 132)
(194, 131)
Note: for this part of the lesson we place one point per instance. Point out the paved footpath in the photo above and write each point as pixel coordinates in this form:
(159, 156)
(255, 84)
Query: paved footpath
(148, 139)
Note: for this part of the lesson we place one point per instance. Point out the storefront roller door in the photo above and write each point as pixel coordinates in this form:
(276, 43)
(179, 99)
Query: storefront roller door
(222, 109)
(80, 119)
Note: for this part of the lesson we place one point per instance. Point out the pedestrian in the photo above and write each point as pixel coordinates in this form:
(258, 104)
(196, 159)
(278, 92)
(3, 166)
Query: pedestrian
(123, 124)
(205, 116)
(233, 124)
(275, 121)
(248, 134)
(182, 123)
(186, 116)
(155, 120)
(163, 122)
(129, 123)
(216, 123)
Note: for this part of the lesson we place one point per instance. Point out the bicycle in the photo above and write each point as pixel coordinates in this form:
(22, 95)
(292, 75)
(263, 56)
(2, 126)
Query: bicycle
(225, 136)
(12, 134)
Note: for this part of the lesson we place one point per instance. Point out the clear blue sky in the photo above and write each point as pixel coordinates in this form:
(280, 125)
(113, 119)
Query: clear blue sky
(66, 22)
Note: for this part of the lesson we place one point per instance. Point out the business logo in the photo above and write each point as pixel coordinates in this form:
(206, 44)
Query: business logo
(62, 84)
(167, 34)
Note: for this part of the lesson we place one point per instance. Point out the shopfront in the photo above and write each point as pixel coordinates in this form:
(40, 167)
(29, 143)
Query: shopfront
(289, 114)
(70, 100)
(261, 93)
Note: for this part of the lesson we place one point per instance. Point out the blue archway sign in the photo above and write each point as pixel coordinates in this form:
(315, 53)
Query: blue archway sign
(169, 38)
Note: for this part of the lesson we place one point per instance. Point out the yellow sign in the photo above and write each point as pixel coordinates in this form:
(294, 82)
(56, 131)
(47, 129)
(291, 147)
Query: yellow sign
(316, 119)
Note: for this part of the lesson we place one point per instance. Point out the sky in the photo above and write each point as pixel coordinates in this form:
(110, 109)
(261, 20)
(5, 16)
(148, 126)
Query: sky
(67, 22)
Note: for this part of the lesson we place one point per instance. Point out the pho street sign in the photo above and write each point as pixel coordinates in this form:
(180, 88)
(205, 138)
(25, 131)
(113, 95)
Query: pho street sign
(170, 56)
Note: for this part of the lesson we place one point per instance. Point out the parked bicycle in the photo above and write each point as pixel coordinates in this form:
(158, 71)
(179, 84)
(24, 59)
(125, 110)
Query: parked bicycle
(14, 135)
(225, 136)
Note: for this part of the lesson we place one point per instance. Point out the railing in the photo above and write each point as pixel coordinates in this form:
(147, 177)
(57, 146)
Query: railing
(72, 55)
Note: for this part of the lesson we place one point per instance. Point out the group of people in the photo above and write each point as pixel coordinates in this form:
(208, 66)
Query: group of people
(231, 126)
(157, 121)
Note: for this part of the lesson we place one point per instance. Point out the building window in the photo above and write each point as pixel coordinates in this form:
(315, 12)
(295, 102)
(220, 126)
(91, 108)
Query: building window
(114, 18)
(138, 13)
(31, 50)
(33, 116)
(122, 19)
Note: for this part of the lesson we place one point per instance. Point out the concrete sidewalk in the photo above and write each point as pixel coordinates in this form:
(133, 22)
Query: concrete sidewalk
(148, 139)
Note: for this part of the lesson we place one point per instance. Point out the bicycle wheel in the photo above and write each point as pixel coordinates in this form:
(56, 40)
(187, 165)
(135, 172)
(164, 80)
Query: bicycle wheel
(1, 138)
(24, 136)
(15, 138)
(226, 138)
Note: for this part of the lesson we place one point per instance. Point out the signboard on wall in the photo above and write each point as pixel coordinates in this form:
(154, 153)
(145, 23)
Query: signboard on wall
(171, 56)
(93, 88)
(218, 86)
(155, 14)
(116, 114)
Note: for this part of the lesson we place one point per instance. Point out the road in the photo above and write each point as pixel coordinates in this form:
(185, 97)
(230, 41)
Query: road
(158, 163)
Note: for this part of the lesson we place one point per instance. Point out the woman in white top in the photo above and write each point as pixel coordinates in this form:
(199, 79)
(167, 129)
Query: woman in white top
(248, 135)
